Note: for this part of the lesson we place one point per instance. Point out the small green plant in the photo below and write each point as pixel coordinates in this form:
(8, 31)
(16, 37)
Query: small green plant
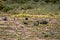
(51, 14)
(46, 34)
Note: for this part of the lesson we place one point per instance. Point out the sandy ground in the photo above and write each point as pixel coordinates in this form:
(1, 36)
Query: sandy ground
(15, 29)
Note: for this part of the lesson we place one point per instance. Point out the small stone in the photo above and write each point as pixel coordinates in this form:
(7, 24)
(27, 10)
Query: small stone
(25, 23)
(44, 22)
(26, 18)
(5, 18)
(36, 23)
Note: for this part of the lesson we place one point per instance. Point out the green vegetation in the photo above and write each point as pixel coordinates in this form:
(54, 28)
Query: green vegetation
(7, 5)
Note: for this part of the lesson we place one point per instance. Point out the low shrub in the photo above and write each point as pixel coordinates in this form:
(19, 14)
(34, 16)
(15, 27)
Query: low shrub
(26, 6)
(36, 0)
(6, 8)
(59, 7)
(56, 13)
(1, 5)
(51, 1)
(10, 7)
